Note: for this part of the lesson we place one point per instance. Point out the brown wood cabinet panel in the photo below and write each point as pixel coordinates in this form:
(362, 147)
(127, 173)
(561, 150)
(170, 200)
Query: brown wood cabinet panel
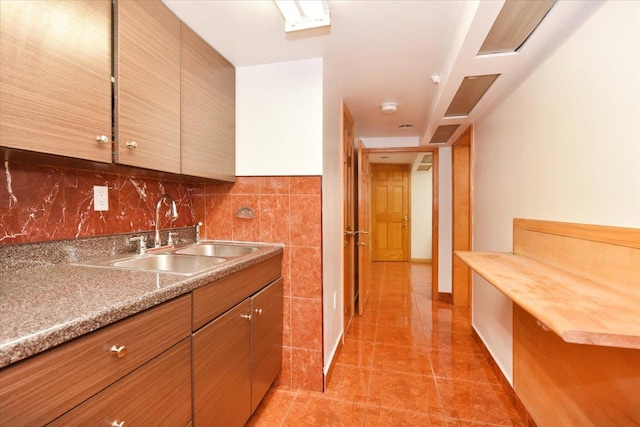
(55, 77)
(158, 393)
(267, 308)
(214, 299)
(222, 369)
(43, 387)
(147, 89)
(208, 91)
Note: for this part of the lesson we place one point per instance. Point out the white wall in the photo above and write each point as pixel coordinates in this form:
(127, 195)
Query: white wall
(407, 141)
(564, 147)
(445, 221)
(332, 251)
(421, 214)
(279, 119)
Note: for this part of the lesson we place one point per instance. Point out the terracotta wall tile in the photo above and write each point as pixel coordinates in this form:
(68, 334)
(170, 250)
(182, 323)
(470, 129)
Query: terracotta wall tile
(274, 185)
(306, 323)
(306, 220)
(284, 379)
(274, 218)
(286, 322)
(306, 185)
(304, 369)
(286, 271)
(219, 218)
(306, 272)
(246, 229)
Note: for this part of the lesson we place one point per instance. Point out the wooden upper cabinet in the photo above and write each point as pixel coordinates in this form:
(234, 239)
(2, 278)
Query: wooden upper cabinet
(208, 110)
(147, 89)
(55, 77)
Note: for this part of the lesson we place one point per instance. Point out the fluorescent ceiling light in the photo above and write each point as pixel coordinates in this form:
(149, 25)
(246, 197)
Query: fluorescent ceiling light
(303, 14)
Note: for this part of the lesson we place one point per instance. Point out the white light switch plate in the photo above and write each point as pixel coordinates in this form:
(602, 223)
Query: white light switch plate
(100, 198)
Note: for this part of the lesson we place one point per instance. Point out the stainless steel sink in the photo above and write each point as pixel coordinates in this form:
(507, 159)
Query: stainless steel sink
(170, 263)
(217, 250)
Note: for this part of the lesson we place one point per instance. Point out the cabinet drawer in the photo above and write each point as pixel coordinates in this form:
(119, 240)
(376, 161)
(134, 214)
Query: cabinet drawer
(158, 393)
(43, 387)
(212, 300)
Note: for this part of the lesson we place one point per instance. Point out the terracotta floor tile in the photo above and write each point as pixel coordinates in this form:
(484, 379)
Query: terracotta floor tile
(348, 383)
(399, 390)
(413, 360)
(407, 336)
(409, 361)
(395, 418)
(469, 366)
(319, 411)
(356, 353)
(477, 402)
(273, 409)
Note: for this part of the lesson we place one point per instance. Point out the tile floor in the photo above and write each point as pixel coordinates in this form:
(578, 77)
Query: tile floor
(409, 361)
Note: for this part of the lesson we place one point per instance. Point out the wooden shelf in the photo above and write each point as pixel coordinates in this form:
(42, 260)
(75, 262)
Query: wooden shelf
(577, 309)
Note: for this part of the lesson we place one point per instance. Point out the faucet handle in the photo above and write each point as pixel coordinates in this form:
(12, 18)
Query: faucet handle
(198, 225)
(170, 240)
(142, 243)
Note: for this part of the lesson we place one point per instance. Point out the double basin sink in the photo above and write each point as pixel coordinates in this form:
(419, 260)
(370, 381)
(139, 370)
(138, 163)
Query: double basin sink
(187, 260)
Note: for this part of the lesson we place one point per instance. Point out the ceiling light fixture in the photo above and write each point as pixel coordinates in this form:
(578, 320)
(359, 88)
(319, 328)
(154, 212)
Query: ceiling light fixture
(389, 107)
(303, 14)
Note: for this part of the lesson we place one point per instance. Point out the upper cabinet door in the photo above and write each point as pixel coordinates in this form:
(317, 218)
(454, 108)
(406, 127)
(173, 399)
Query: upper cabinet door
(208, 110)
(55, 77)
(147, 102)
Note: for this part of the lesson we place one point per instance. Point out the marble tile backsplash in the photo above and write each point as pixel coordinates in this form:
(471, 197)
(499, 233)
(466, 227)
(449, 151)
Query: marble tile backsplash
(40, 203)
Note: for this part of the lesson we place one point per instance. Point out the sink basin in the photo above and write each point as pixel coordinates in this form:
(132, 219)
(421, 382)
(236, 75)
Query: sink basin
(170, 263)
(217, 250)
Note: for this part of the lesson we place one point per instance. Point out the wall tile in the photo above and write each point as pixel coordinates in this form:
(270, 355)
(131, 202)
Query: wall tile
(274, 185)
(274, 218)
(306, 185)
(306, 272)
(246, 229)
(306, 220)
(304, 369)
(219, 217)
(306, 323)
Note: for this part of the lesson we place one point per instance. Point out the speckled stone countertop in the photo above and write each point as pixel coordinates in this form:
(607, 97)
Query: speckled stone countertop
(46, 306)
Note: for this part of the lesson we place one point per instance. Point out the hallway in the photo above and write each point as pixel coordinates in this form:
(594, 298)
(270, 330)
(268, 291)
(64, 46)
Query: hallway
(409, 361)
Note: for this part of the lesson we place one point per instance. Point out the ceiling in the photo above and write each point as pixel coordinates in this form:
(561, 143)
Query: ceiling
(386, 50)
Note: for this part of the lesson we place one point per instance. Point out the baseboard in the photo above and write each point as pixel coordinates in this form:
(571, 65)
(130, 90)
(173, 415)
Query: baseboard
(504, 382)
(421, 260)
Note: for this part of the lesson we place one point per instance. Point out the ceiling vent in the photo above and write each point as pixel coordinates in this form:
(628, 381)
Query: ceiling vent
(515, 23)
(423, 168)
(443, 133)
(471, 90)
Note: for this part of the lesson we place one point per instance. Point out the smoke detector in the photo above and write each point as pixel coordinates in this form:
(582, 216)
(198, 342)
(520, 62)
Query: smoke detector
(389, 107)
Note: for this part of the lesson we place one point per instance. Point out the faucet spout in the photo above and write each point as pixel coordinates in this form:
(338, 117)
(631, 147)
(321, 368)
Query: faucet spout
(174, 214)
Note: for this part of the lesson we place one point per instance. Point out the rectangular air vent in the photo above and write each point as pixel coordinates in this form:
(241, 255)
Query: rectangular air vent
(515, 23)
(471, 90)
(427, 158)
(443, 133)
(424, 168)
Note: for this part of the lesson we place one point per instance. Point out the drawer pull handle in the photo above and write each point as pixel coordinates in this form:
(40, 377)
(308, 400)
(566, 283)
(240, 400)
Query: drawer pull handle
(117, 424)
(246, 316)
(258, 311)
(120, 351)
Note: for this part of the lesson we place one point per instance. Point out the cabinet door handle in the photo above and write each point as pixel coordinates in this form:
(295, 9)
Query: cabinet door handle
(117, 423)
(132, 144)
(102, 139)
(246, 316)
(258, 311)
(119, 350)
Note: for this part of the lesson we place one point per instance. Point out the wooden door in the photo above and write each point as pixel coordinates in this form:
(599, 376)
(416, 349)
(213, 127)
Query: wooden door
(390, 212)
(147, 69)
(55, 90)
(208, 102)
(348, 130)
(364, 228)
(222, 369)
(266, 345)
(461, 231)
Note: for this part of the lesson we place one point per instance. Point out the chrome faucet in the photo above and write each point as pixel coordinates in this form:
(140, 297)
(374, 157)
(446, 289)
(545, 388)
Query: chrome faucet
(174, 213)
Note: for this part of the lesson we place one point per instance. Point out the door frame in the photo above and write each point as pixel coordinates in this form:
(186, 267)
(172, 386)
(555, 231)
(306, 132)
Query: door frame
(434, 221)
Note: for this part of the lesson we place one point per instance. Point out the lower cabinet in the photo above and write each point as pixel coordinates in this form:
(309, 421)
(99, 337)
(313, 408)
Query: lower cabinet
(157, 393)
(236, 358)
